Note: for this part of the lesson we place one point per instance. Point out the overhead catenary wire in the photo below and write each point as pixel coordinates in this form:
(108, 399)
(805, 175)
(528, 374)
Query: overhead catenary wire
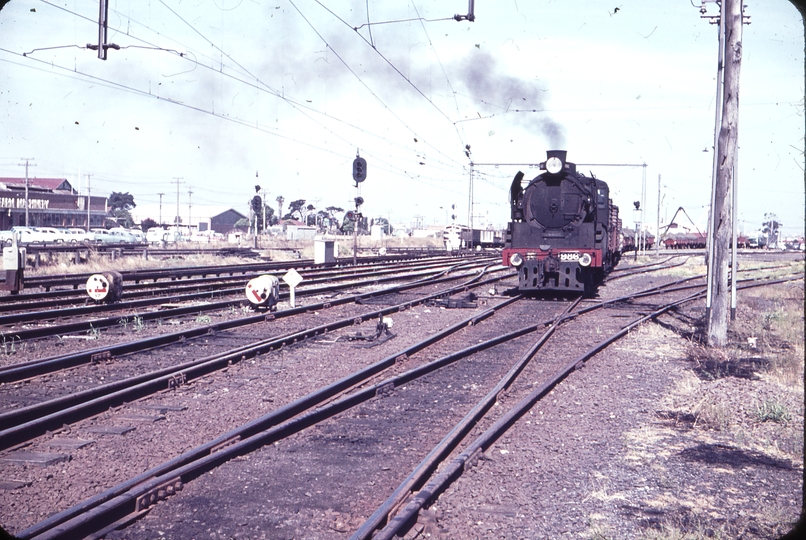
(281, 95)
(391, 168)
(409, 173)
(389, 62)
(360, 80)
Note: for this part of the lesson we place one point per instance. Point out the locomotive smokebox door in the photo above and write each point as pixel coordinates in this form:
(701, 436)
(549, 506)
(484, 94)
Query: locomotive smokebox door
(263, 292)
(105, 287)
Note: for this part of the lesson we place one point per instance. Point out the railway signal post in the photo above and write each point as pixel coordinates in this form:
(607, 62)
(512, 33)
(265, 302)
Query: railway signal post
(359, 175)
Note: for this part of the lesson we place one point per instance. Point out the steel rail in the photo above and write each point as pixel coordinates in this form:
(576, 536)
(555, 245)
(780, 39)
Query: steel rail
(644, 270)
(31, 421)
(93, 324)
(138, 283)
(177, 294)
(169, 469)
(117, 503)
(467, 458)
(64, 523)
(79, 279)
(441, 451)
(22, 370)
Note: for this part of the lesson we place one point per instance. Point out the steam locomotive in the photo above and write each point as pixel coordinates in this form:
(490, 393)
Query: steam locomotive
(564, 233)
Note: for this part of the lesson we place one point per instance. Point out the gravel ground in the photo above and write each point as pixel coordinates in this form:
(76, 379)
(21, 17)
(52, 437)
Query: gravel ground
(665, 441)
(172, 422)
(656, 437)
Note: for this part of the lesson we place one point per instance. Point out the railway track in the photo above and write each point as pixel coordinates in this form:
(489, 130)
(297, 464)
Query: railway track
(78, 280)
(33, 420)
(13, 328)
(33, 306)
(292, 417)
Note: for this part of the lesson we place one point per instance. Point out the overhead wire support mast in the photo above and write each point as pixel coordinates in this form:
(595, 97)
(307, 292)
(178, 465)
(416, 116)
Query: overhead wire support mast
(470, 15)
(103, 30)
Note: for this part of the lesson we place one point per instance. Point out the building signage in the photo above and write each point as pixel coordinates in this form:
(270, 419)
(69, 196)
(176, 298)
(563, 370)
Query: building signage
(15, 202)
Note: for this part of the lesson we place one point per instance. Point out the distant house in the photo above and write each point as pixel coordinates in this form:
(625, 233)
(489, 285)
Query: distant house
(198, 217)
(223, 222)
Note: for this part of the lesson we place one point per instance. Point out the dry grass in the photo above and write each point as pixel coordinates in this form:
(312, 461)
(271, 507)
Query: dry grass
(65, 263)
(272, 248)
(778, 323)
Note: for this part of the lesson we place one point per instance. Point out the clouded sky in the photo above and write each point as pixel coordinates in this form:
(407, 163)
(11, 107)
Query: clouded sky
(217, 92)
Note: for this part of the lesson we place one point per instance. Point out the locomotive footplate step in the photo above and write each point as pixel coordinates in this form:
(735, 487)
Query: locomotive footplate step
(41, 459)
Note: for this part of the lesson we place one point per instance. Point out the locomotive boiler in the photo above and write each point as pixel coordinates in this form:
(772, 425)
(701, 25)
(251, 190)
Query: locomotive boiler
(564, 230)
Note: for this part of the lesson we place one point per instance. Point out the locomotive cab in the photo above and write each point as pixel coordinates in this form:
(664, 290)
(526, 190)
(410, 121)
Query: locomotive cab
(562, 223)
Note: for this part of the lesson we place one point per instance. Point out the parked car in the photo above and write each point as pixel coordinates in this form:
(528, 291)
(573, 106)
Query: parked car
(139, 236)
(29, 235)
(50, 235)
(78, 236)
(205, 237)
(158, 235)
(102, 236)
(123, 236)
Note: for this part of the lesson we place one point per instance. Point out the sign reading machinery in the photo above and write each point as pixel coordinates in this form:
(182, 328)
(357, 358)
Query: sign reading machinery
(15, 202)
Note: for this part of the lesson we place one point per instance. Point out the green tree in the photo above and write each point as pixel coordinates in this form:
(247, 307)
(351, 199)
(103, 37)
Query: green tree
(148, 223)
(120, 205)
(384, 223)
(295, 208)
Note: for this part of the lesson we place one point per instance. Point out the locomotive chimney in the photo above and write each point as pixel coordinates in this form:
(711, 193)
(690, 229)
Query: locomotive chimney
(556, 153)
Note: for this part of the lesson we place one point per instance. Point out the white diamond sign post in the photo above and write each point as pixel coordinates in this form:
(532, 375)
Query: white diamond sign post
(292, 279)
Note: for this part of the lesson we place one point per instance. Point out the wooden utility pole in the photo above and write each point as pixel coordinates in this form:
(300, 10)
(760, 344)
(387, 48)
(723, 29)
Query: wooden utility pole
(723, 188)
(26, 160)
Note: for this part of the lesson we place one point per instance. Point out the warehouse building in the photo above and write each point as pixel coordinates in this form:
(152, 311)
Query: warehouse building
(50, 202)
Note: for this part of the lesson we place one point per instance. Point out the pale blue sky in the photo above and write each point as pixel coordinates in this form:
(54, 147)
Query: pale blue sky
(291, 91)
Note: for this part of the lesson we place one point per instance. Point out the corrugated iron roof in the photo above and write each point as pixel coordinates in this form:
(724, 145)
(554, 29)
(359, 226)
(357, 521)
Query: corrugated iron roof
(50, 184)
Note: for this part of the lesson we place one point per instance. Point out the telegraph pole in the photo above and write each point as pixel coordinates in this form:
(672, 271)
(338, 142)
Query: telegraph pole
(190, 194)
(657, 224)
(26, 160)
(722, 212)
(89, 176)
(160, 194)
(263, 209)
(709, 242)
(177, 181)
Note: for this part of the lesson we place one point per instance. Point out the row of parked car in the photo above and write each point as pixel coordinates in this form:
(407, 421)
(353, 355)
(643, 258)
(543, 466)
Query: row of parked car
(53, 236)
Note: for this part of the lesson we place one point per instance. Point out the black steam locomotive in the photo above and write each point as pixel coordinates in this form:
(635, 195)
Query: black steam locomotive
(565, 231)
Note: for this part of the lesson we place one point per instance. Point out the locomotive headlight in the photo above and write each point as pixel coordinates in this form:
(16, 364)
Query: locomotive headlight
(585, 259)
(516, 259)
(554, 165)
